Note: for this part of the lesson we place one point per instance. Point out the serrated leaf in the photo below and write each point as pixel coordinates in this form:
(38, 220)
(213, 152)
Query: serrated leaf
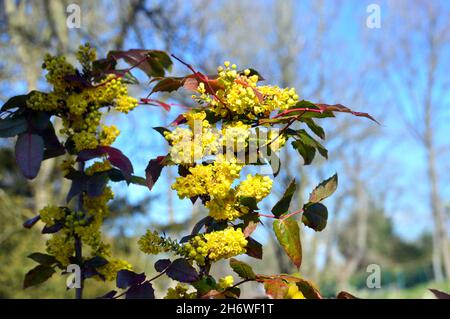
(162, 264)
(153, 171)
(37, 275)
(254, 248)
(306, 151)
(288, 235)
(282, 206)
(249, 202)
(324, 189)
(242, 269)
(318, 130)
(315, 216)
(29, 154)
(141, 291)
(180, 270)
(126, 278)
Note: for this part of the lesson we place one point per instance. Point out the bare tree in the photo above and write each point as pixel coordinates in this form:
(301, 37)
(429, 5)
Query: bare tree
(414, 64)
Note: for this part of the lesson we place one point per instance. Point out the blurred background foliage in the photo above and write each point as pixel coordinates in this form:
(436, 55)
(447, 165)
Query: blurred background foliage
(392, 205)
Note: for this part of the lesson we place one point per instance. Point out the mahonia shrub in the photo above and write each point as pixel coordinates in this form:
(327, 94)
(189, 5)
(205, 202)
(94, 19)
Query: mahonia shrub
(236, 122)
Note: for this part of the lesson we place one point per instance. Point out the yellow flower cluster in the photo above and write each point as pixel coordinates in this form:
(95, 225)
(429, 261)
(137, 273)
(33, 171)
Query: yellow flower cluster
(110, 270)
(239, 95)
(293, 292)
(151, 243)
(51, 214)
(79, 99)
(62, 247)
(212, 179)
(255, 186)
(225, 207)
(98, 167)
(85, 55)
(180, 292)
(195, 142)
(80, 109)
(58, 69)
(216, 245)
(235, 136)
(226, 282)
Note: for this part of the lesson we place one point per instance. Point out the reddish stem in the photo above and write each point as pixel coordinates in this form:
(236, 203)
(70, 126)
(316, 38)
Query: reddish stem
(304, 109)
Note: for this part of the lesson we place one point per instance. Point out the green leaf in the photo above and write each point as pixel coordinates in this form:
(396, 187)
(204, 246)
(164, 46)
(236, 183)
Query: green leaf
(249, 202)
(288, 235)
(310, 141)
(13, 126)
(315, 216)
(282, 206)
(205, 285)
(37, 275)
(242, 269)
(43, 259)
(318, 130)
(324, 189)
(306, 151)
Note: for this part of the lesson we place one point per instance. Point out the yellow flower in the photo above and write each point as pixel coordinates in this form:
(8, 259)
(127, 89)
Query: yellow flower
(180, 291)
(85, 140)
(110, 270)
(97, 167)
(50, 214)
(255, 186)
(293, 292)
(108, 135)
(150, 243)
(226, 282)
(216, 245)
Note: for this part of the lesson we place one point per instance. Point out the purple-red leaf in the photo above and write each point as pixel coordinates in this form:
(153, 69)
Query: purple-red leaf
(440, 294)
(141, 291)
(29, 154)
(30, 222)
(153, 171)
(254, 248)
(115, 156)
(127, 278)
(108, 295)
(162, 265)
(182, 271)
(342, 108)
